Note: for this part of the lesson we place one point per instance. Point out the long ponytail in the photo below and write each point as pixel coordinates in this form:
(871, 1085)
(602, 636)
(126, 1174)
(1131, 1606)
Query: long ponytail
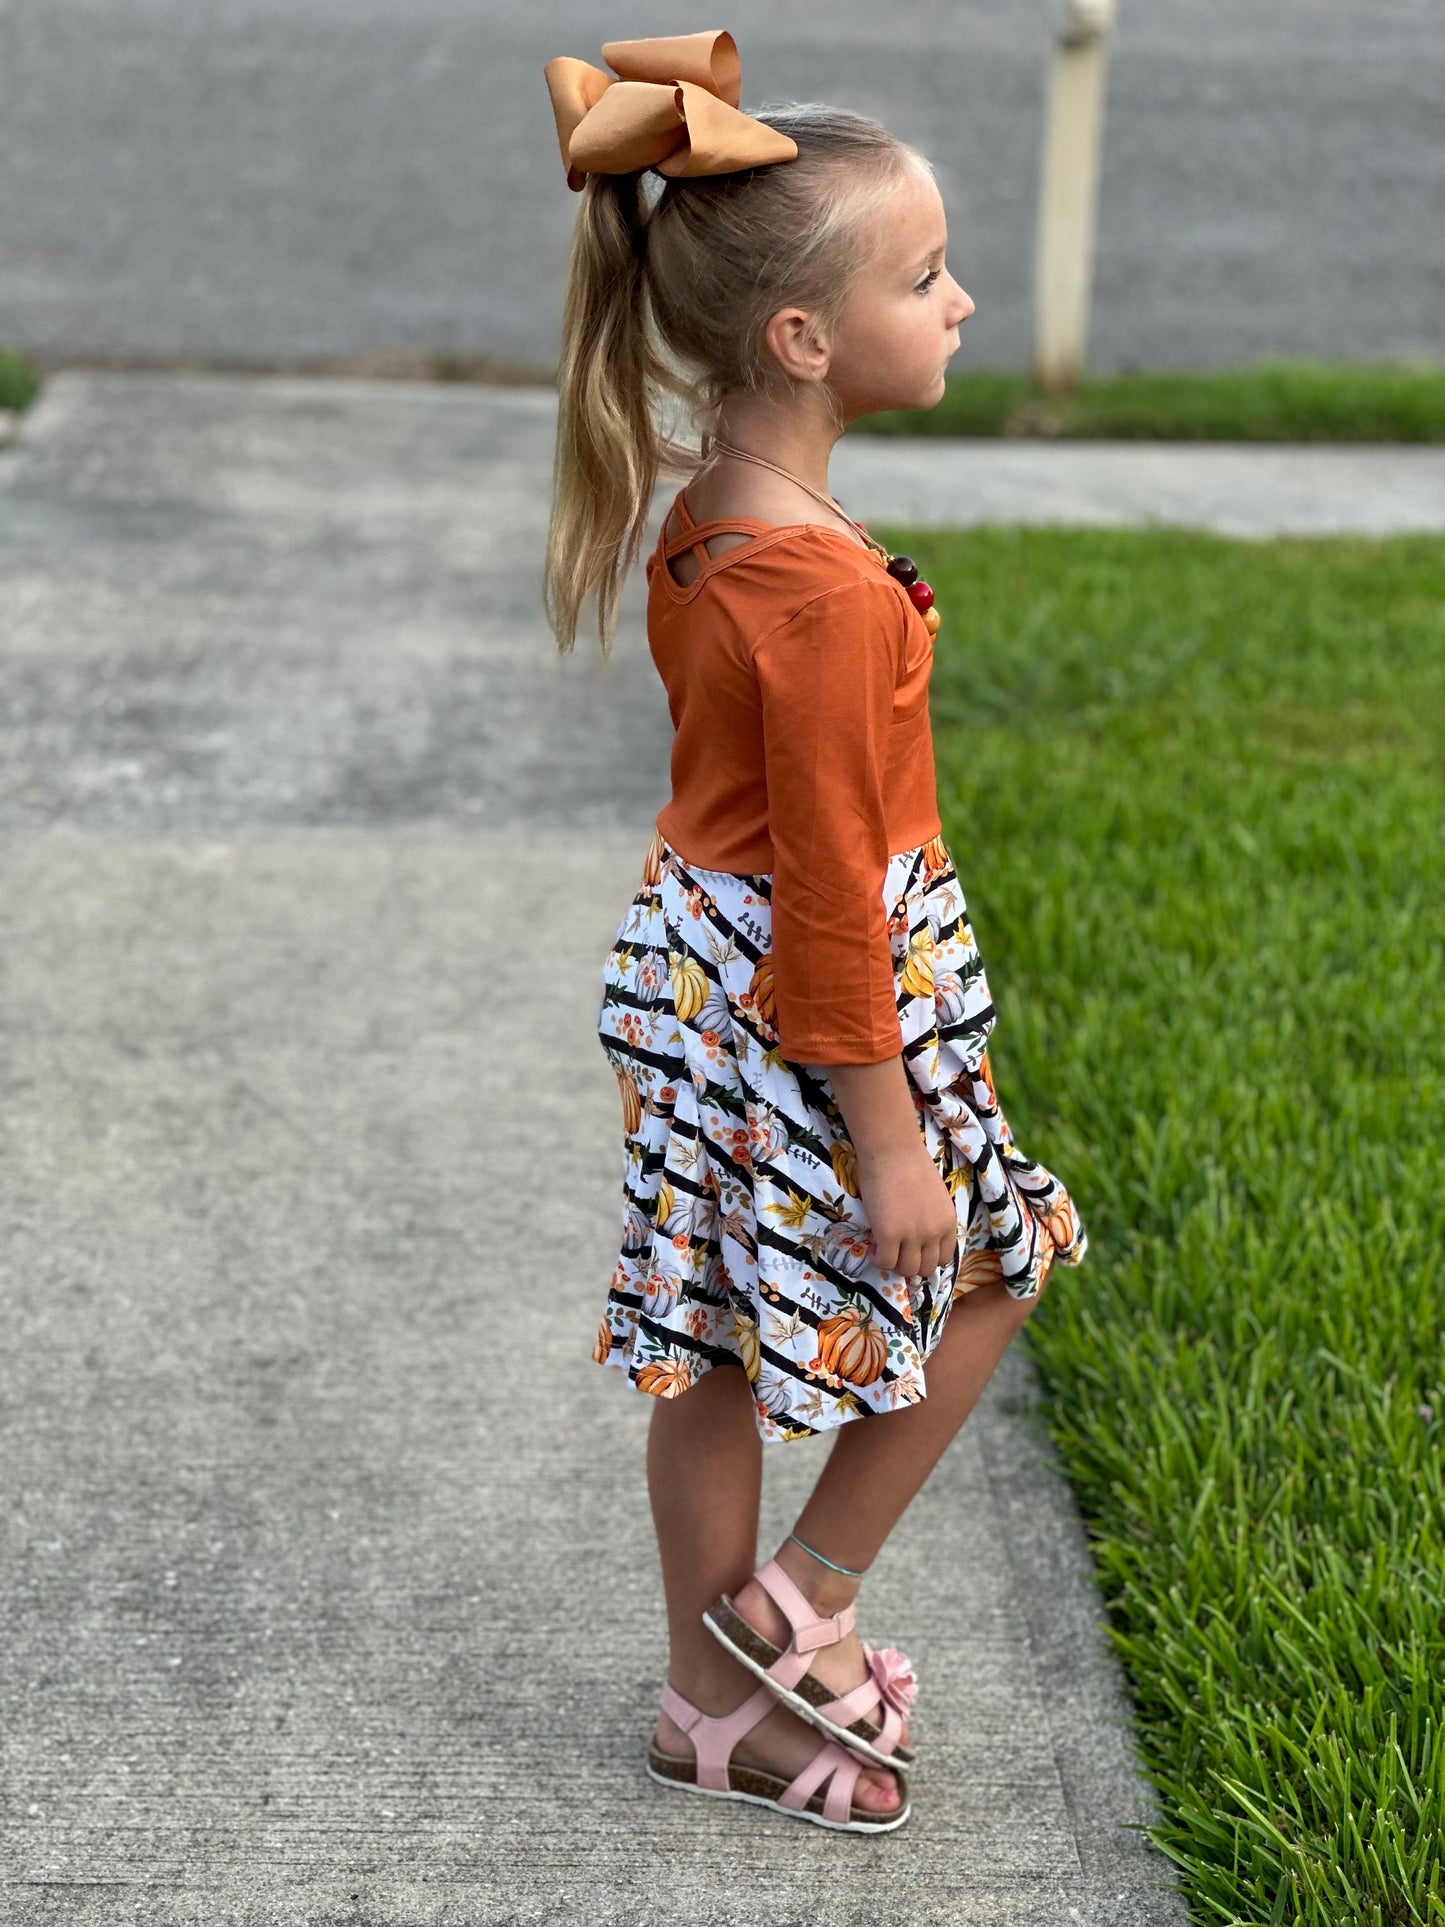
(609, 451)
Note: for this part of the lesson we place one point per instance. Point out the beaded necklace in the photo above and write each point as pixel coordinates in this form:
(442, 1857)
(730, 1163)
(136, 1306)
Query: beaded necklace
(901, 567)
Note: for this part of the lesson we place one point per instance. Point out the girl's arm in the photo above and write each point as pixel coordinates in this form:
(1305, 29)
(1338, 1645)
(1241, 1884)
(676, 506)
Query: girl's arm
(827, 677)
(904, 1197)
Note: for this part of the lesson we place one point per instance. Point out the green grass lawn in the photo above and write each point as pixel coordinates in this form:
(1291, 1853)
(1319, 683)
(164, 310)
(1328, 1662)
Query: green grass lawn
(1297, 400)
(19, 380)
(1194, 791)
(1267, 401)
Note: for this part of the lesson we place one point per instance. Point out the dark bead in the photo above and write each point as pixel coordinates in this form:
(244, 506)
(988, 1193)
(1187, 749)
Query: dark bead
(903, 570)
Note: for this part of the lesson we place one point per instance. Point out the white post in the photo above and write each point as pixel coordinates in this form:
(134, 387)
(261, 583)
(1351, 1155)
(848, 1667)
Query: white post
(1064, 248)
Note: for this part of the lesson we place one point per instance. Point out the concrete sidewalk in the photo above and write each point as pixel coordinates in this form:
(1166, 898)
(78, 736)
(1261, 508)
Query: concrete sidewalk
(1233, 488)
(314, 1611)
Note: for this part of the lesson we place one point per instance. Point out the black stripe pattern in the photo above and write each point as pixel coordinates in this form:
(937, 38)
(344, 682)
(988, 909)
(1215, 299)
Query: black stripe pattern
(743, 1236)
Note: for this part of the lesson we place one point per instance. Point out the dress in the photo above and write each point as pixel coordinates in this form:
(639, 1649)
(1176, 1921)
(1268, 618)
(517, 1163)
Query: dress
(743, 1238)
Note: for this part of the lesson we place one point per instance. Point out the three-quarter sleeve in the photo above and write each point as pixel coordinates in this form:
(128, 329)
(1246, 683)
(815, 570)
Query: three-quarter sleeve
(826, 678)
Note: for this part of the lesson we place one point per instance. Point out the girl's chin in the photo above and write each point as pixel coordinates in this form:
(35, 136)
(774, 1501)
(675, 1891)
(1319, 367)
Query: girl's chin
(925, 397)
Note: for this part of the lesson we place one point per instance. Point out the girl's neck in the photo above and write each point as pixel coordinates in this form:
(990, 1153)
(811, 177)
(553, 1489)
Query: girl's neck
(802, 447)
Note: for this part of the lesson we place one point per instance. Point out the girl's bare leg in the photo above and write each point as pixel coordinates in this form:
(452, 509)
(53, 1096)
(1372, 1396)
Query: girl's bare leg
(704, 1466)
(876, 1467)
(704, 1477)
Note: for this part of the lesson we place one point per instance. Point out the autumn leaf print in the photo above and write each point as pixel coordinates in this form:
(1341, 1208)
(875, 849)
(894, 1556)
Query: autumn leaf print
(793, 1215)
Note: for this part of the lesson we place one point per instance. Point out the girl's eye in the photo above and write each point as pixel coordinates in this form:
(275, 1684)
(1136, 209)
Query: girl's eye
(927, 282)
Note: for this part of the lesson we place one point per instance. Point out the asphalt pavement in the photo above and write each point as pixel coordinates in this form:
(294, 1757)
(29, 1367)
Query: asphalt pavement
(317, 178)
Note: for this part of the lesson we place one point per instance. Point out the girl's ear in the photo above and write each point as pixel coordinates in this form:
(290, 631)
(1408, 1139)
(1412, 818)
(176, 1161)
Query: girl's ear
(798, 347)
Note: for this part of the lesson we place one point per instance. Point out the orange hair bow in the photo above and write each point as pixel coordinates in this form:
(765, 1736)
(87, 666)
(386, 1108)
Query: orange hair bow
(673, 106)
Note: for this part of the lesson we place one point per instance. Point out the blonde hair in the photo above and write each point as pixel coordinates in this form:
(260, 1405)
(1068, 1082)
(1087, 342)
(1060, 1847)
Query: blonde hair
(673, 301)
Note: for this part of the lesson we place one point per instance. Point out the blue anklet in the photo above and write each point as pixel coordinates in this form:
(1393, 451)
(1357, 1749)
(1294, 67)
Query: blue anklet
(847, 1571)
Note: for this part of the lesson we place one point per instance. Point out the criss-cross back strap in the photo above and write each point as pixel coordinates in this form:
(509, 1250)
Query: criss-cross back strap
(692, 536)
(699, 547)
(696, 535)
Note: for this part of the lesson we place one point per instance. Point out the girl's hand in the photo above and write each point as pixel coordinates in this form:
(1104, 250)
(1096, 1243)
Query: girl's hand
(908, 1206)
(910, 1209)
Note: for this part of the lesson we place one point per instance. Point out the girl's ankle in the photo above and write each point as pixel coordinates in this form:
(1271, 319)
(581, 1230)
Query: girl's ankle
(826, 1591)
(713, 1684)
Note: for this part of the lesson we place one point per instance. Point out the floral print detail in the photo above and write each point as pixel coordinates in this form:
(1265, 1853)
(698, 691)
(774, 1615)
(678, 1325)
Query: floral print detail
(743, 1239)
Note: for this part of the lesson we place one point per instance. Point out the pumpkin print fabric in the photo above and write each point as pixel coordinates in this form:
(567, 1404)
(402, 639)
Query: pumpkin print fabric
(743, 1235)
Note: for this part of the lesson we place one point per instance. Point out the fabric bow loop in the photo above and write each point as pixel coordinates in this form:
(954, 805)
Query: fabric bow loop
(673, 105)
(893, 1673)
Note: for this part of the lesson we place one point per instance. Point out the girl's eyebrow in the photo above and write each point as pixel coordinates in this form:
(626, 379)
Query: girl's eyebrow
(940, 249)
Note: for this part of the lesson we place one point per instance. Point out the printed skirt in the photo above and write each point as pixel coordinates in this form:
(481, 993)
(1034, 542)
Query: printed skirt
(743, 1238)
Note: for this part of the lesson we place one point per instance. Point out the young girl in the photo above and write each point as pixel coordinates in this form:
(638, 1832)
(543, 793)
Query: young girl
(826, 1223)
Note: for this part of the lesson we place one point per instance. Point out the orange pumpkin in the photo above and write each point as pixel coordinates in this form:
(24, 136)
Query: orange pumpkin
(652, 862)
(631, 1101)
(603, 1346)
(665, 1377)
(852, 1346)
(985, 1071)
(1062, 1223)
(976, 1268)
(1046, 1265)
(760, 985)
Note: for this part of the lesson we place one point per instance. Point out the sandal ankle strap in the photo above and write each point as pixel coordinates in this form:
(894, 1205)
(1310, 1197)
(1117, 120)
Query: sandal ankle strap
(809, 1630)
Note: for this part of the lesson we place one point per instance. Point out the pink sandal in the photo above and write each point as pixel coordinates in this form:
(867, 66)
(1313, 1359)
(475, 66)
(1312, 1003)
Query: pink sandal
(822, 1792)
(888, 1691)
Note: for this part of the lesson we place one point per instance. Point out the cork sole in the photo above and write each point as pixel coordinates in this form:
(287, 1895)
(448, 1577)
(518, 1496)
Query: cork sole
(762, 1789)
(746, 1644)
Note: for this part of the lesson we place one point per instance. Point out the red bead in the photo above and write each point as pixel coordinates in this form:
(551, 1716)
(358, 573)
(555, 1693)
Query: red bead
(922, 595)
(860, 528)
